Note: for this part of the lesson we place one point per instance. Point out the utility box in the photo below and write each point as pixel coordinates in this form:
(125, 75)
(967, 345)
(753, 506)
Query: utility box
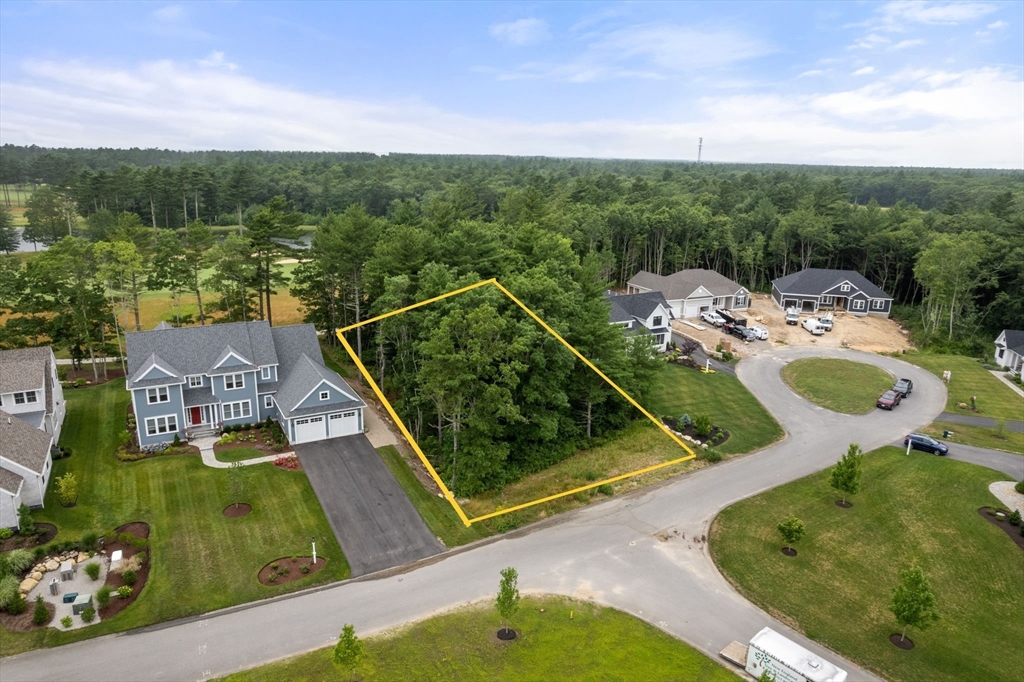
(726, 345)
(787, 661)
(81, 603)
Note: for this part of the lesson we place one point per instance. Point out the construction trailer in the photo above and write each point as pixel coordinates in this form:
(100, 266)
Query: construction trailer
(787, 661)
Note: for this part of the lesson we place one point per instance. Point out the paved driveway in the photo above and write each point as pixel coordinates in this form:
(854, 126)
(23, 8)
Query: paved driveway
(369, 512)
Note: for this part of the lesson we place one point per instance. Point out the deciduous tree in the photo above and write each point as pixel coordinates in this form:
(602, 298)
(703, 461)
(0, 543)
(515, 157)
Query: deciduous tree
(913, 602)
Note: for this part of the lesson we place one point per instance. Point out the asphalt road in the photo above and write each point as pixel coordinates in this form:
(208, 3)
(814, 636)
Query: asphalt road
(644, 553)
(370, 514)
(984, 422)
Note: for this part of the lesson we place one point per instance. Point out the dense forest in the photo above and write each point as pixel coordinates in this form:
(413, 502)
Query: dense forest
(470, 374)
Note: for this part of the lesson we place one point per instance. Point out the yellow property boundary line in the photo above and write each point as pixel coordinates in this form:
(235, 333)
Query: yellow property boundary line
(423, 458)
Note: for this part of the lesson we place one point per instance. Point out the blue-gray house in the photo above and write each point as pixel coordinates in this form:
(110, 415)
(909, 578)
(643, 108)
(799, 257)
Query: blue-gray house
(199, 379)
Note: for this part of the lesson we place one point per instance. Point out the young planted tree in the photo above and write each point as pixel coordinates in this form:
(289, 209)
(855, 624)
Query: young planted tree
(236, 481)
(913, 602)
(507, 601)
(791, 530)
(67, 489)
(846, 474)
(349, 649)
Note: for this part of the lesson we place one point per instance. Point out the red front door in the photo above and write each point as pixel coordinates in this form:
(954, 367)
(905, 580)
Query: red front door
(196, 415)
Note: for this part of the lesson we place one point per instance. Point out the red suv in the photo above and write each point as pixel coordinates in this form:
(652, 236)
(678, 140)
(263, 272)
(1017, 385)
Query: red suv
(889, 400)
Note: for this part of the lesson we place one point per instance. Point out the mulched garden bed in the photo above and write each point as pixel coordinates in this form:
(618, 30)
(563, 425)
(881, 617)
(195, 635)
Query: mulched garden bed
(115, 580)
(789, 551)
(1010, 529)
(255, 438)
(44, 533)
(716, 431)
(233, 511)
(86, 374)
(132, 452)
(289, 463)
(23, 622)
(294, 569)
(844, 504)
(904, 643)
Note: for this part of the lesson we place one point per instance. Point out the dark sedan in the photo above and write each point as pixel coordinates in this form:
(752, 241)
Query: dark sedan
(919, 441)
(889, 400)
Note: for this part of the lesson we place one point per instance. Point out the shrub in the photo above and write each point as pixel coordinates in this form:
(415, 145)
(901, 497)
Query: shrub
(6, 533)
(138, 543)
(8, 590)
(606, 489)
(177, 440)
(141, 557)
(89, 614)
(1015, 517)
(129, 577)
(67, 489)
(38, 553)
(295, 558)
(272, 577)
(124, 591)
(686, 421)
(89, 541)
(273, 566)
(67, 452)
(1019, 487)
(710, 455)
(17, 605)
(92, 570)
(20, 559)
(81, 382)
(305, 568)
(124, 438)
(284, 570)
(66, 621)
(508, 522)
(28, 526)
(103, 596)
(702, 425)
(41, 614)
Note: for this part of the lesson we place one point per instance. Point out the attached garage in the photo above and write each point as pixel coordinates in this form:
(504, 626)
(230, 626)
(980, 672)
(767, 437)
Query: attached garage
(343, 424)
(309, 429)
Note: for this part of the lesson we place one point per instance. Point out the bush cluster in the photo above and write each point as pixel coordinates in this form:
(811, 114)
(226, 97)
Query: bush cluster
(710, 455)
(103, 597)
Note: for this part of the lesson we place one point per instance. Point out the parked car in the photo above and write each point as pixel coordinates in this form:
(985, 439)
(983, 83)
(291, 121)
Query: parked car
(762, 333)
(813, 326)
(792, 316)
(904, 387)
(713, 318)
(889, 400)
(741, 332)
(825, 322)
(919, 441)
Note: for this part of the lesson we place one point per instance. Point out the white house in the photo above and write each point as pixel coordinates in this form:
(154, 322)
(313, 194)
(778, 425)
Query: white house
(25, 467)
(691, 292)
(647, 313)
(30, 389)
(1010, 350)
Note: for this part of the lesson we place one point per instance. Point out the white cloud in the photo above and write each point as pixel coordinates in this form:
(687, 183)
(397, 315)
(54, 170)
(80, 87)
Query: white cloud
(521, 32)
(168, 13)
(868, 42)
(904, 44)
(864, 71)
(216, 60)
(929, 118)
(896, 15)
(997, 24)
(812, 72)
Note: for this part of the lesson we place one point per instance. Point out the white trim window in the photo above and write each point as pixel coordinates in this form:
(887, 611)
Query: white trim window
(23, 397)
(325, 395)
(845, 287)
(157, 395)
(658, 320)
(265, 373)
(163, 424)
(858, 304)
(195, 381)
(239, 410)
(826, 300)
(877, 304)
(268, 402)
(234, 381)
(741, 301)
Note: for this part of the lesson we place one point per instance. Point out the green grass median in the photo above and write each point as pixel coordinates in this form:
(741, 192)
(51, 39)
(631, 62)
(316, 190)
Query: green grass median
(838, 385)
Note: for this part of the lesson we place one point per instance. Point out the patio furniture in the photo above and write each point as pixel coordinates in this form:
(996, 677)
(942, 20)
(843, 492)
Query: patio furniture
(81, 603)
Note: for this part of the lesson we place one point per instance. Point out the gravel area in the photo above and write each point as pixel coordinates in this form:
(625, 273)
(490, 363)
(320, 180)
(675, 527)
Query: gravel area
(82, 584)
(1007, 495)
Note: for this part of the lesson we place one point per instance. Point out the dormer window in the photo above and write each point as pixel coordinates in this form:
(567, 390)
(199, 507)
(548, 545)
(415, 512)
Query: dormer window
(233, 381)
(845, 287)
(195, 381)
(25, 397)
(265, 373)
(325, 395)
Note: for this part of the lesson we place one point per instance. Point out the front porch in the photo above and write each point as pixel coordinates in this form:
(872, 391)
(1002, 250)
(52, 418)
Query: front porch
(201, 415)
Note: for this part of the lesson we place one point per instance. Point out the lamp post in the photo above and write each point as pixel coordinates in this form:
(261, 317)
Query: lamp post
(313, 539)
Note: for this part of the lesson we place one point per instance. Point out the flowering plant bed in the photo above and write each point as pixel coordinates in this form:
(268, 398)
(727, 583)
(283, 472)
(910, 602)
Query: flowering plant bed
(289, 463)
(267, 437)
(288, 569)
(43, 534)
(131, 539)
(715, 438)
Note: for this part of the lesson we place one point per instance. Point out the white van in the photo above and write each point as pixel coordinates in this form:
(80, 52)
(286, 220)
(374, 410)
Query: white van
(787, 661)
(813, 326)
(792, 316)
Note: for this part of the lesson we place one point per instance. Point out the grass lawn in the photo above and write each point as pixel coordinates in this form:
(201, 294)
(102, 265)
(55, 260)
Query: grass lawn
(838, 385)
(238, 454)
(595, 643)
(202, 560)
(679, 390)
(919, 510)
(995, 399)
(1009, 441)
(436, 511)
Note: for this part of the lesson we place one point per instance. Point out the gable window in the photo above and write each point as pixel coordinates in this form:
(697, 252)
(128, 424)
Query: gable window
(25, 397)
(325, 395)
(237, 410)
(157, 395)
(264, 373)
(233, 381)
(268, 402)
(845, 287)
(158, 425)
(877, 304)
(858, 304)
(657, 320)
(195, 381)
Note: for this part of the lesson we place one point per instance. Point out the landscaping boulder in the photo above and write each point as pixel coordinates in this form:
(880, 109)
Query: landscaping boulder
(36, 575)
(26, 585)
(82, 558)
(52, 565)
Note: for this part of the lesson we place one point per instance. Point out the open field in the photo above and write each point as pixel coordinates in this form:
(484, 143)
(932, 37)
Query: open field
(560, 639)
(919, 510)
(201, 560)
(1008, 441)
(995, 399)
(838, 385)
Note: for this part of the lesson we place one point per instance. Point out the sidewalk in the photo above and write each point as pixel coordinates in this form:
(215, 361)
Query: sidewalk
(986, 422)
(1002, 377)
(205, 446)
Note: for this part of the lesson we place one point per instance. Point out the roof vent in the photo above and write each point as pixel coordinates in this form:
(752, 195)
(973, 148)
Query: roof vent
(814, 664)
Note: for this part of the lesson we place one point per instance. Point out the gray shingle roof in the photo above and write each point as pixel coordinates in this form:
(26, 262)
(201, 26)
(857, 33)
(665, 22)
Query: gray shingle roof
(24, 369)
(682, 284)
(33, 419)
(1015, 340)
(626, 308)
(10, 481)
(162, 365)
(194, 350)
(814, 281)
(193, 397)
(302, 369)
(268, 387)
(23, 444)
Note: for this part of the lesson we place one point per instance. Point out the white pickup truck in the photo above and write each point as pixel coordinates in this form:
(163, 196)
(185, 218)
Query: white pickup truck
(792, 316)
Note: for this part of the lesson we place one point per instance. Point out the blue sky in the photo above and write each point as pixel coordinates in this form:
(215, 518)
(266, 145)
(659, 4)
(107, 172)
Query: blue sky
(897, 83)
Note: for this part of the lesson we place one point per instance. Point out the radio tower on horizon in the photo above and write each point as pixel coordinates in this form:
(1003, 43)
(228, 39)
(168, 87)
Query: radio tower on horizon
(700, 145)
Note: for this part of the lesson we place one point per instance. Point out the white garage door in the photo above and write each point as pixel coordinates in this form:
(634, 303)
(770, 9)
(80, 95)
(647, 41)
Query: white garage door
(343, 424)
(691, 309)
(310, 428)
